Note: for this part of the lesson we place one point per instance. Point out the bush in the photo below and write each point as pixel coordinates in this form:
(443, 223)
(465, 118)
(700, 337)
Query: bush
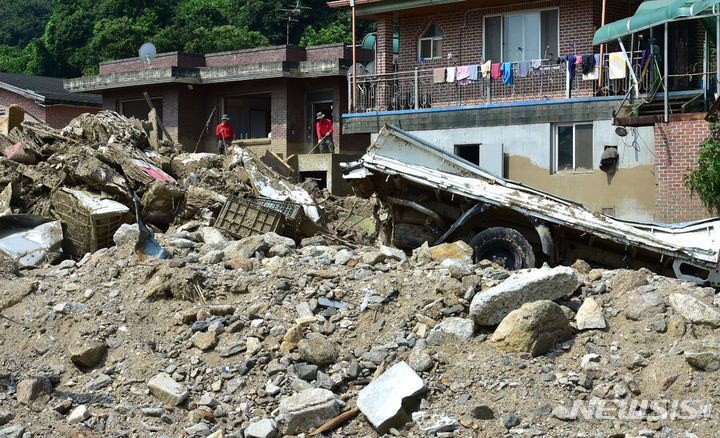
(705, 179)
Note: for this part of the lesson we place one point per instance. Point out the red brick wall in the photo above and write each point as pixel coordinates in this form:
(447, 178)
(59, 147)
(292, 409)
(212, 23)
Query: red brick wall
(180, 59)
(676, 147)
(249, 56)
(58, 116)
(8, 98)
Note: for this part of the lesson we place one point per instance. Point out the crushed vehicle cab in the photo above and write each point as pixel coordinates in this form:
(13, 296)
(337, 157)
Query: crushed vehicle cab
(436, 196)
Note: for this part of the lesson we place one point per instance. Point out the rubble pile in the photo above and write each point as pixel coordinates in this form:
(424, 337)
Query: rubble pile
(264, 337)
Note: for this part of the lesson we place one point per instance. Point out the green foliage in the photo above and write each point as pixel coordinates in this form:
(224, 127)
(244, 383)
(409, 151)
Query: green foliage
(705, 179)
(78, 34)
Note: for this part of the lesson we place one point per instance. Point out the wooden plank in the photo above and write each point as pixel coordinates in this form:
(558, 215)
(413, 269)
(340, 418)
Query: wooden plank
(277, 164)
(159, 122)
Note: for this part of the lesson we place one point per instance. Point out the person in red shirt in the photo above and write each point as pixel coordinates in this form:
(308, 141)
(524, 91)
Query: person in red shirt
(224, 134)
(324, 129)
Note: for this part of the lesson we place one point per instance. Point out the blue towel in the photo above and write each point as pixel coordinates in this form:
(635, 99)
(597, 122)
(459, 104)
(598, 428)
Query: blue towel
(507, 72)
(473, 73)
(597, 60)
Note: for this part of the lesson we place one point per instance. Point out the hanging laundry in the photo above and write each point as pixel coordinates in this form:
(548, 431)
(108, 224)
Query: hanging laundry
(588, 62)
(578, 59)
(450, 74)
(473, 73)
(570, 59)
(438, 75)
(485, 69)
(598, 61)
(536, 65)
(463, 73)
(523, 68)
(593, 75)
(495, 71)
(507, 73)
(617, 68)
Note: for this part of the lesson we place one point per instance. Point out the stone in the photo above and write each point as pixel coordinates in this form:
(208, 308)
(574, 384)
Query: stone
(126, 233)
(420, 360)
(98, 382)
(213, 236)
(217, 434)
(511, 420)
(458, 250)
(71, 308)
(12, 432)
(390, 254)
(317, 349)
(482, 411)
(34, 392)
(307, 410)
(431, 424)
(212, 257)
(626, 280)
(533, 328)
(644, 306)
(373, 257)
(451, 330)
(265, 428)
(78, 415)
(384, 399)
(88, 353)
(564, 413)
(663, 377)
(457, 268)
(489, 307)
(196, 429)
(581, 266)
(204, 340)
(6, 417)
(306, 371)
(590, 316)
(167, 390)
(291, 339)
(707, 360)
(253, 345)
(695, 310)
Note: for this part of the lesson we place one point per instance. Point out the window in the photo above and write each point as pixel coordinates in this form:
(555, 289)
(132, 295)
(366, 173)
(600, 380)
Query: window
(430, 43)
(535, 32)
(574, 145)
(469, 152)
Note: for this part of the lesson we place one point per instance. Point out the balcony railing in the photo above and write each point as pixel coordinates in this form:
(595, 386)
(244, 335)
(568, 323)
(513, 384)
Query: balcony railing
(416, 89)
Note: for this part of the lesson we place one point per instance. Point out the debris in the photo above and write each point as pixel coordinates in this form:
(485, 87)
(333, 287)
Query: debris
(451, 330)
(34, 392)
(430, 424)
(30, 241)
(695, 310)
(316, 349)
(78, 415)
(385, 400)
(6, 200)
(533, 328)
(708, 360)
(307, 409)
(644, 305)
(335, 422)
(147, 247)
(265, 428)
(88, 353)
(490, 306)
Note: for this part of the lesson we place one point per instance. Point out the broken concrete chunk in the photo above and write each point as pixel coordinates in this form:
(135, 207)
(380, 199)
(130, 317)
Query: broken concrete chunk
(533, 328)
(167, 390)
(78, 415)
(709, 358)
(88, 353)
(265, 428)
(126, 233)
(430, 424)
(451, 330)
(5, 200)
(385, 400)
(34, 392)
(307, 409)
(491, 306)
(695, 310)
(459, 251)
(590, 316)
(644, 305)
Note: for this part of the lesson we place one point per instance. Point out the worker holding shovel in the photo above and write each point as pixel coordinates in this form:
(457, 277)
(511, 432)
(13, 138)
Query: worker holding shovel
(324, 130)
(224, 134)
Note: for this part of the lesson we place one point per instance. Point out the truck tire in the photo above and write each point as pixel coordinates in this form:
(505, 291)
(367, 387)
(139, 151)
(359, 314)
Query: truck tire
(503, 244)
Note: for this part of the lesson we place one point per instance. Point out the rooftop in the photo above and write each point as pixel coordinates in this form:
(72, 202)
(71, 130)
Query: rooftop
(46, 90)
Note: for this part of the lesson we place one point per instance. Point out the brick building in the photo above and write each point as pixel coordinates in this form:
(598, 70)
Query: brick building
(546, 128)
(271, 95)
(44, 98)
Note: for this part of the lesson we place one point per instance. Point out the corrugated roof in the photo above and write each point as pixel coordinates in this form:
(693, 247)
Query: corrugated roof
(46, 90)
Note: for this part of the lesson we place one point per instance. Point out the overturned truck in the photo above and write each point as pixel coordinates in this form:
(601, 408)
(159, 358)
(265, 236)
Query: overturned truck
(435, 196)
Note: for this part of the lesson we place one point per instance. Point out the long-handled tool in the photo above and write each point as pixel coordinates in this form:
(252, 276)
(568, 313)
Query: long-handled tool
(318, 144)
(204, 129)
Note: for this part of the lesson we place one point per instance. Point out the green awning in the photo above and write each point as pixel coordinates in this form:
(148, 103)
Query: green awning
(652, 13)
(369, 42)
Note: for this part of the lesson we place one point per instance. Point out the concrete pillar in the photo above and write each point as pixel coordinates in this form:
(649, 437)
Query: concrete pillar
(383, 59)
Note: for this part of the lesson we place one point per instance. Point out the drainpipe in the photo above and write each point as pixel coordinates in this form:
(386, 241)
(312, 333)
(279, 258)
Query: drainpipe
(354, 70)
(665, 80)
(717, 53)
(602, 46)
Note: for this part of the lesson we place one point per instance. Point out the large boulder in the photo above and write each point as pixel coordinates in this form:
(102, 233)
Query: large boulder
(644, 306)
(491, 306)
(317, 349)
(533, 328)
(307, 410)
(695, 310)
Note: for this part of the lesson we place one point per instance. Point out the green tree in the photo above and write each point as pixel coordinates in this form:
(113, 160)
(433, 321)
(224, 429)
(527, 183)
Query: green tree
(705, 179)
(222, 38)
(338, 31)
(21, 22)
(121, 37)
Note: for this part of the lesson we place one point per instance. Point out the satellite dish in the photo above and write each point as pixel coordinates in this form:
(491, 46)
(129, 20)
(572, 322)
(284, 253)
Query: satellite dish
(147, 52)
(622, 132)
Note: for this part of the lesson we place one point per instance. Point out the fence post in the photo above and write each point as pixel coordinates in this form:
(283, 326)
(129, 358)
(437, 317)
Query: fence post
(567, 82)
(417, 88)
(350, 108)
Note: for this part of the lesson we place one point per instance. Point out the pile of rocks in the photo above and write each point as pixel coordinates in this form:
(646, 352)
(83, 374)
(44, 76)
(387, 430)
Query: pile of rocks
(264, 337)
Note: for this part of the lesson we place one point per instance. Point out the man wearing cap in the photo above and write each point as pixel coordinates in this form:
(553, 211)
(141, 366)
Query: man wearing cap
(324, 130)
(224, 134)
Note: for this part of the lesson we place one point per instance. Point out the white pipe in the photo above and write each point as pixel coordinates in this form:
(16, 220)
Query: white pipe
(665, 73)
(629, 67)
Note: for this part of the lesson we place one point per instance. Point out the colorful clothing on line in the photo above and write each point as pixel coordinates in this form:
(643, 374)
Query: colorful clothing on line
(463, 73)
(523, 69)
(473, 72)
(617, 68)
(536, 64)
(485, 69)
(438, 75)
(570, 59)
(495, 71)
(450, 74)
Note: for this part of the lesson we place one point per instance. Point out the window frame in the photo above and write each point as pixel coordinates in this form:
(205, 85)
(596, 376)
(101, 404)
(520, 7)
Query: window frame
(556, 144)
(502, 29)
(432, 41)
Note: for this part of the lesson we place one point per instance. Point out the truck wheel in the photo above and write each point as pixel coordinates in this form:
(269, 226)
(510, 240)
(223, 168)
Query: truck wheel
(505, 245)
